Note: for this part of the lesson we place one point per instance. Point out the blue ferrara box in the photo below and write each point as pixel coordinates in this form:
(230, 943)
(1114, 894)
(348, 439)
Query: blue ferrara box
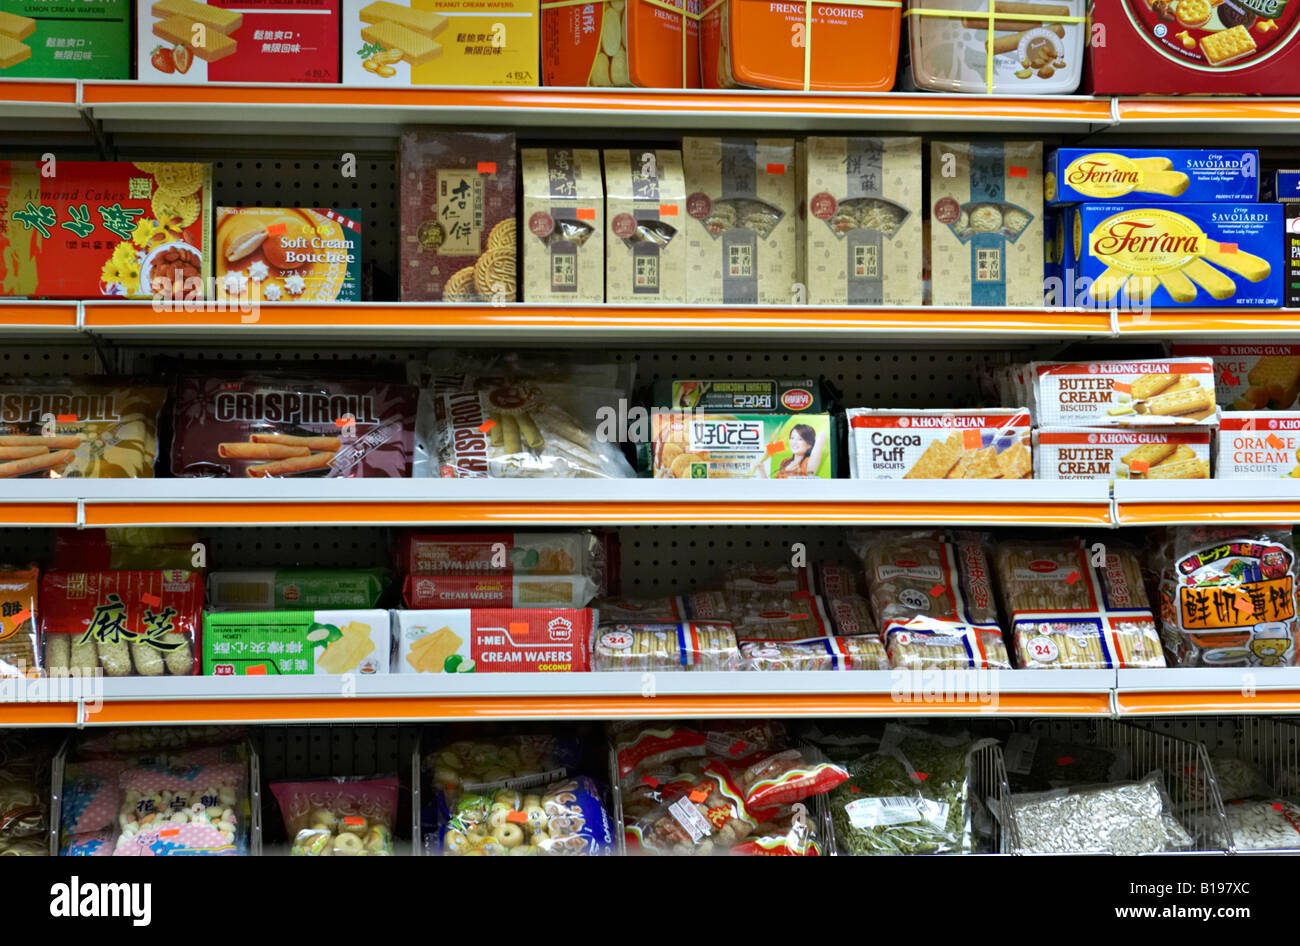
(1220, 255)
(1150, 176)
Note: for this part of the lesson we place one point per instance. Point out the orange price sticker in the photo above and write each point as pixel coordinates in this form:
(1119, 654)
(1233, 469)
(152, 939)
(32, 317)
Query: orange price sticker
(516, 817)
(519, 628)
(487, 167)
(354, 820)
(66, 418)
(151, 600)
(1274, 441)
(486, 426)
(1139, 466)
(1017, 171)
(972, 439)
(1227, 247)
(257, 670)
(699, 795)
(921, 776)
(1071, 578)
(776, 169)
(668, 210)
(1244, 604)
(344, 421)
(775, 447)
(937, 590)
(169, 832)
(21, 616)
(586, 213)
(277, 229)
(1123, 387)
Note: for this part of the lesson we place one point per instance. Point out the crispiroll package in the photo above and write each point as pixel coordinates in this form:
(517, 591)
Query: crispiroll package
(518, 416)
(1067, 613)
(339, 817)
(651, 647)
(1227, 596)
(1127, 818)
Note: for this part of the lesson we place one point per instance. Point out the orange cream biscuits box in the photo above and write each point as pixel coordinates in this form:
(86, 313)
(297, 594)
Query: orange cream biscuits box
(850, 48)
(986, 223)
(564, 237)
(457, 42)
(1251, 377)
(621, 43)
(744, 232)
(645, 214)
(289, 254)
(1259, 445)
(233, 41)
(864, 221)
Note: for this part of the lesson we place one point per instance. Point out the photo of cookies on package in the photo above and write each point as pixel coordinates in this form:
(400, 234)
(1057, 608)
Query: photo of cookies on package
(887, 444)
(289, 254)
(1155, 393)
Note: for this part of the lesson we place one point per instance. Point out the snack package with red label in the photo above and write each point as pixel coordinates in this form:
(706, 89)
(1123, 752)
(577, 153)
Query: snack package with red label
(787, 777)
(256, 426)
(710, 818)
(763, 615)
(126, 623)
(495, 640)
(788, 835)
(339, 817)
(638, 748)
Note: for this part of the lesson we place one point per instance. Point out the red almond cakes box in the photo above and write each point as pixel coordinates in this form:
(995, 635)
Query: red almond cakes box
(1167, 47)
(81, 230)
(458, 240)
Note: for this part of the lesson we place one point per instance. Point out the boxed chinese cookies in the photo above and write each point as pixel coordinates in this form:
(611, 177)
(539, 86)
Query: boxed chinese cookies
(421, 42)
(986, 223)
(564, 245)
(289, 254)
(1026, 49)
(227, 41)
(458, 215)
(1159, 392)
(846, 49)
(645, 213)
(1251, 377)
(621, 43)
(864, 226)
(494, 640)
(288, 643)
(1259, 445)
(743, 236)
(1150, 175)
(51, 40)
(991, 444)
(91, 229)
(1088, 453)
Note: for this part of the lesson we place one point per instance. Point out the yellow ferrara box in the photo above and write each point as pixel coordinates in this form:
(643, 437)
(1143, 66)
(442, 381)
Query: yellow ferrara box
(296, 643)
(450, 42)
(1150, 176)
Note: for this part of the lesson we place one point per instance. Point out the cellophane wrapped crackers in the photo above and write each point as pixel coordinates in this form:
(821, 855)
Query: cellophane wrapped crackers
(1251, 377)
(1090, 453)
(986, 223)
(622, 43)
(744, 230)
(864, 226)
(1259, 445)
(665, 646)
(564, 207)
(1067, 612)
(886, 444)
(645, 219)
(1227, 596)
(1158, 392)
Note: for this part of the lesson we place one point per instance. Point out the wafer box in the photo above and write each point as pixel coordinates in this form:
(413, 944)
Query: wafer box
(296, 643)
(494, 640)
(50, 39)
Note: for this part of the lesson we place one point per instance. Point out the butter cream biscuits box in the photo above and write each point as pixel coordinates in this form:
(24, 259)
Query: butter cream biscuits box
(65, 39)
(1258, 445)
(645, 216)
(1089, 453)
(564, 210)
(1154, 393)
(237, 40)
(289, 254)
(1220, 255)
(495, 640)
(1151, 175)
(296, 643)
(1251, 377)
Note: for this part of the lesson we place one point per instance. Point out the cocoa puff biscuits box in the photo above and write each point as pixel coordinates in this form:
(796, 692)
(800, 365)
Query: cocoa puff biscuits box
(864, 221)
(494, 640)
(1251, 377)
(1089, 453)
(986, 223)
(645, 213)
(1258, 445)
(55, 39)
(564, 238)
(990, 443)
(440, 42)
(457, 216)
(85, 230)
(123, 623)
(621, 43)
(237, 41)
(100, 429)
(744, 231)
(296, 643)
(1155, 393)
(1151, 175)
(267, 426)
(289, 254)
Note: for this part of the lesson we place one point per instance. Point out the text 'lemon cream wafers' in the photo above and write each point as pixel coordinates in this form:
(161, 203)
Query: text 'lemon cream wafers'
(1123, 393)
(180, 31)
(416, 48)
(217, 18)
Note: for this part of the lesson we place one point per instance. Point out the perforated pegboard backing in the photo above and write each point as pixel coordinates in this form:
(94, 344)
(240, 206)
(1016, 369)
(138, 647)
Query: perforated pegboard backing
(50, 359)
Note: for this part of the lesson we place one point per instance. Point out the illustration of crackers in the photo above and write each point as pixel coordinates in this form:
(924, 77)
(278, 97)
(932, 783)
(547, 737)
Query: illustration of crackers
(427, 23)
(217, 18)
(429, 653)
(1151, 384)
(1016, 462)
(13, 52)
(938, 459)
(180, 30)
(416, 48)
(15, 26)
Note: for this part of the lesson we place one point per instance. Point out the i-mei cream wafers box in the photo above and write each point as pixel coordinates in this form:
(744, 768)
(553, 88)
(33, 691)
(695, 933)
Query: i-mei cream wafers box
(1258, 445)
(1123, 393)
(237, 41)
(1150, 175)
(935, 444)
(1251, 377)
(494, 640)
(1088, 453)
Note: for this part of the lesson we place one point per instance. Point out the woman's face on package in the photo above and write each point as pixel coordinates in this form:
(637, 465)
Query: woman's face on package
(797, 444)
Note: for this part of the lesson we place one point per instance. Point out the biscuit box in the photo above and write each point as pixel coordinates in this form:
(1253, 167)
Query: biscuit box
(645, 213)
(864, 221)
(697, 445)
(744, 231)
(457, 42)
(985, 444)
(1251, 377)
(117, 229)
(1258, 445)
(297, 589)
(495, 640)
(753, 396)
(294, 643)
(236, 41)
(564, 209)
(457, 215)
(986, 223)
(1288, 191)
(1153, 393)
(65, 39)
(1086, 453)
(289, 254)
(621, 43)
(1150, 175)
(1171, 47)
(1205, 255)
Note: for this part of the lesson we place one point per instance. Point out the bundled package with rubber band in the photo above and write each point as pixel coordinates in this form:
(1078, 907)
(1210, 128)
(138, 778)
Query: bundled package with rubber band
(864, 652)
(669, 646)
